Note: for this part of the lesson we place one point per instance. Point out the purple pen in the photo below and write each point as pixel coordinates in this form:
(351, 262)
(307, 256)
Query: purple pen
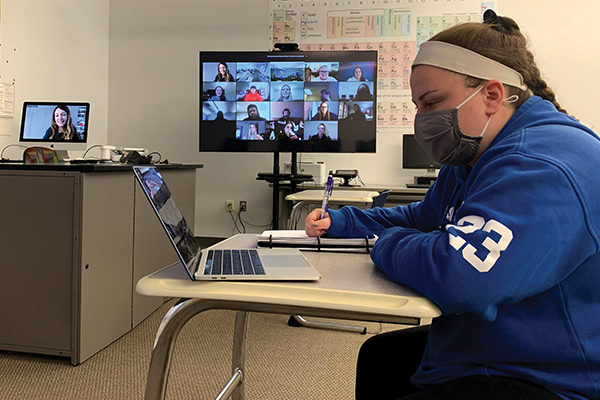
(326, 195)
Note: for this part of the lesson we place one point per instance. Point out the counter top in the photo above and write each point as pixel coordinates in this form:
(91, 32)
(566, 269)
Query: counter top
(88, 167)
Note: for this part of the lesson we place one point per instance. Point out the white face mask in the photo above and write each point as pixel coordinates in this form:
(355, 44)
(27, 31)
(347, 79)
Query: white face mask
(440, 135)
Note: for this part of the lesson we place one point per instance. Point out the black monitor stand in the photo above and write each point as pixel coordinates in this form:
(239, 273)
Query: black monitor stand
(276, 178)
(423, 181)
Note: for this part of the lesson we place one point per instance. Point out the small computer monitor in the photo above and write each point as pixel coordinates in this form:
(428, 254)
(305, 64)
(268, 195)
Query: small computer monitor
(61, 126)
(414, 157)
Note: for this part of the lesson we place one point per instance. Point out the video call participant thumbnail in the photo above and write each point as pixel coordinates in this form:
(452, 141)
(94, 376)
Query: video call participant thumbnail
(252, 91)
(252, 111)
(287, 91)
(324, 111)
(292, 131)
(361, 111)
(325, 73)
(218, 72)
(218, 110)
(250, 130)
(281, 113)
(223, 73)
(319, 91)
(357, 72)
(253, 72)
(287, 71)
(318, 131)
(358, 91)
(218, 91)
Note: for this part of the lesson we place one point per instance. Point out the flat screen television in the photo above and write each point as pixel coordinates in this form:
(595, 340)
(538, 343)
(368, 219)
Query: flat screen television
(321, 101)
(414, 157)
(57, 125)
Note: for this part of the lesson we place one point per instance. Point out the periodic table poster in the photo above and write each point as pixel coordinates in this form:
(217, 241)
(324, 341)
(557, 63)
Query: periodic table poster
(395, 28)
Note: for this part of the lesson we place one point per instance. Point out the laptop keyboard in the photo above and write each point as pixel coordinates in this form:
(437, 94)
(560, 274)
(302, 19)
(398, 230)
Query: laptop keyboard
(233, 262)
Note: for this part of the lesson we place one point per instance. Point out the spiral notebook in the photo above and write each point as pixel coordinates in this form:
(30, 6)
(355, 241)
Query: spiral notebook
(299, 239)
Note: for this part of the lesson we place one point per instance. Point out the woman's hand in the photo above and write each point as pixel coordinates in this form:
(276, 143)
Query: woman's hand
(314, 225)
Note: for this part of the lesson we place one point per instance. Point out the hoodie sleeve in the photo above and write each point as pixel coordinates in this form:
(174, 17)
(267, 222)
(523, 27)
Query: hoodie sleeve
(353, 222)
(520, 230)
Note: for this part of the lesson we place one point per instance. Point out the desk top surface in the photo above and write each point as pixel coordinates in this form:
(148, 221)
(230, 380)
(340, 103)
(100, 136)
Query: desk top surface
(98, 167)
(395, 188)
(349, 281)
(362, 196)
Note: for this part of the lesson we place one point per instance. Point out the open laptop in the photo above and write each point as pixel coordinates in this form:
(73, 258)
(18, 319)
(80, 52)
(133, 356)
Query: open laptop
(218, 264)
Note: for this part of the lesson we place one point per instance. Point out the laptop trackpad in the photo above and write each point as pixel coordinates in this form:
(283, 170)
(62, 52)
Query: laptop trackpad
(287, 260)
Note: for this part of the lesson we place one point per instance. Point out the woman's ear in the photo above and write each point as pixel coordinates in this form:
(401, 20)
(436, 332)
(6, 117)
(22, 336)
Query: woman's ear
(494, 95)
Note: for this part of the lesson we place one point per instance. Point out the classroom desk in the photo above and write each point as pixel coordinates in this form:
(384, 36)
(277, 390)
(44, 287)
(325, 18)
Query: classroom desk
(399, 195)
(338, 197)
(350, 288)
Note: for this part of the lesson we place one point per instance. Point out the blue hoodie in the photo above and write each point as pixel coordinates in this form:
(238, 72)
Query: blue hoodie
(508, 250)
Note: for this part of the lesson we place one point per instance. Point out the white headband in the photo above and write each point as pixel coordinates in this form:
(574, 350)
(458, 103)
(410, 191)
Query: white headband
(467, 62)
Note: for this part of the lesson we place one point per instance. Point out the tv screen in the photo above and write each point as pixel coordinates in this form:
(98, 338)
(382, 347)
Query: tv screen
(414, 157)
(53, 123)
(288, 101)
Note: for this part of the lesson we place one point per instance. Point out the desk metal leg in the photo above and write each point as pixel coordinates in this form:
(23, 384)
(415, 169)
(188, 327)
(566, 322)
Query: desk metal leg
(174, 320)
(160, 363)
(234, 387)
(181, 313)
(239, 352)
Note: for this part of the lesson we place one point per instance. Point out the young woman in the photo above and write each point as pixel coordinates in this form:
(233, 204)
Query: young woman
(219, 94)
(363, 93)
(324, 114)
(61, 125)
(506, 241)
(356, 114)
(285, 93)
(223, 74)
(253, 133)
(357, 75)
(288, 132)
(322, 134)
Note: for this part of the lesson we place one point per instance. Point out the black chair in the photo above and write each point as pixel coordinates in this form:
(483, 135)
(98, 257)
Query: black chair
(379, 201)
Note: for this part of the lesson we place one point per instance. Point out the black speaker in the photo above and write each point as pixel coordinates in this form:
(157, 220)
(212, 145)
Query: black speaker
(425, 180)
(134, 157)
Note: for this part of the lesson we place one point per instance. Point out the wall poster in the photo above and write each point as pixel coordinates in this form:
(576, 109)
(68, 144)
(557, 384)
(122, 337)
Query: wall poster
(395, 28)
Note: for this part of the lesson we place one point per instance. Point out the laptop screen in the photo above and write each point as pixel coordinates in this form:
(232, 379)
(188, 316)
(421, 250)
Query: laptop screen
(170, 216)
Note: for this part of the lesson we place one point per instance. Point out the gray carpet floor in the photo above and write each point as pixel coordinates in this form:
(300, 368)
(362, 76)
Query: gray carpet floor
(282, 362)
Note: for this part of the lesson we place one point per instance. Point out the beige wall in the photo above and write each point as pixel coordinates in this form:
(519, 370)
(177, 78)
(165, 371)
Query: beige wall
(55, 51)
(137, 63)
(154, 89)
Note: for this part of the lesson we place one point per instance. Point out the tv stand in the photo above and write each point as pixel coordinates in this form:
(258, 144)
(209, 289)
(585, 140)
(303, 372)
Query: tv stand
(276, 178)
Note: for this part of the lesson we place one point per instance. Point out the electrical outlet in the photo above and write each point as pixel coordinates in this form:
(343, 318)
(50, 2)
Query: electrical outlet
(243, 205)
(229, 205)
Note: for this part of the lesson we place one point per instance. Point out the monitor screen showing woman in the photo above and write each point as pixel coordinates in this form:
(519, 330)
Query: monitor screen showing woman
(55, 123)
